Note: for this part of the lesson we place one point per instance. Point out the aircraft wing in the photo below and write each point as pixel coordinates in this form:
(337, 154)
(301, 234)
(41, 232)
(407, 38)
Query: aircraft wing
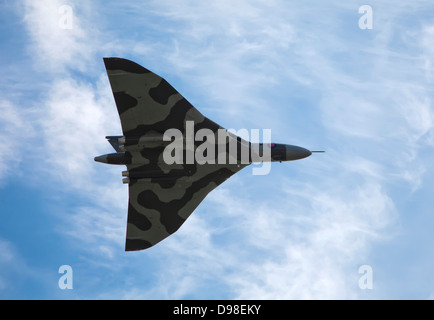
(159, 206)
(161, 196)
(146, 102)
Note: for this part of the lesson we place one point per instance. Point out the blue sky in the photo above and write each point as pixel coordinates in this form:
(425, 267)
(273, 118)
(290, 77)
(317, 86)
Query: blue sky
(304, 69)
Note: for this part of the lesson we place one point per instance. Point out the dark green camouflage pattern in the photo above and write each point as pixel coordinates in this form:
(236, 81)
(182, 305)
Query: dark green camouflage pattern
(161, 196)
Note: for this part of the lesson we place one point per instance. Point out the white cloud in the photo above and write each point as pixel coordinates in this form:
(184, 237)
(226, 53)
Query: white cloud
(276, 250)
(55, 46)
(377, 119)
(427, 51)
(314, 249)
(74, 115)
(74, 121)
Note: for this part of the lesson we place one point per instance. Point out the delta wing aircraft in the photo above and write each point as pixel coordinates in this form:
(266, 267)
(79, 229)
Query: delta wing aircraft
(174, 155)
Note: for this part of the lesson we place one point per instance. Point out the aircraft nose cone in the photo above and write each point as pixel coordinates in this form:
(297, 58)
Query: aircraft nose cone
(295, 152)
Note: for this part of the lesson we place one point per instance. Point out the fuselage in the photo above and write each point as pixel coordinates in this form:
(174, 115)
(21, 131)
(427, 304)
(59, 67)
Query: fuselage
(274, 152)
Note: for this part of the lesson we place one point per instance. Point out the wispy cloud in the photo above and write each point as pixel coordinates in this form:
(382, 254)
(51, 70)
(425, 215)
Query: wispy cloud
(375, 118)
(59, 38)
(266, 64)
(73, 115)
(15, 130)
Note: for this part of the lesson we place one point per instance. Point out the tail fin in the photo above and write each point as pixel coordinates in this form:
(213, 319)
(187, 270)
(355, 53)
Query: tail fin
(114, 141)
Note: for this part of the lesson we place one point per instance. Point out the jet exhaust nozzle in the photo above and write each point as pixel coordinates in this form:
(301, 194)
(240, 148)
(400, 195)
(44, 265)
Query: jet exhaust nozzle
(114, 158)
